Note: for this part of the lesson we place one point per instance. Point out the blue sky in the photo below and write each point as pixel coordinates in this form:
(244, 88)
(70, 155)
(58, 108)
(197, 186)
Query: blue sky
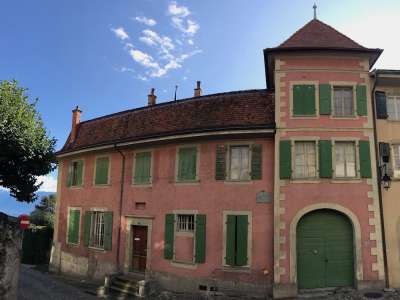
(105, 55)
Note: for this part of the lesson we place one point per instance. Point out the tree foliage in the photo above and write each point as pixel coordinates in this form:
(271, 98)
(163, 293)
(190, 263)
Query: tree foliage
(43, 214)
(26, 149)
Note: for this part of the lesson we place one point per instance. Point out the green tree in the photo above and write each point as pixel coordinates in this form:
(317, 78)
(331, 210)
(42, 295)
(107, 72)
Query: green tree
(26, 149)
(44, 211)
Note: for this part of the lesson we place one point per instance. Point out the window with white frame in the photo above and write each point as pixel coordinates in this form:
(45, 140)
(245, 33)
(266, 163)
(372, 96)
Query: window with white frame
(239, 167)
(393, 107)
(396, 160)
(345, 159)
(185, 223)
(305, 162)
(97, 230)
(343, 103)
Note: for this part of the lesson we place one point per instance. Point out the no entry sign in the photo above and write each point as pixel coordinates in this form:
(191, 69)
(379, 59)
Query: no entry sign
(23, 221)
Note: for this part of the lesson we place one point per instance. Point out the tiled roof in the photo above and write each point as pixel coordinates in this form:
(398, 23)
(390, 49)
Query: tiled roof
(233, 110)
(316, 34)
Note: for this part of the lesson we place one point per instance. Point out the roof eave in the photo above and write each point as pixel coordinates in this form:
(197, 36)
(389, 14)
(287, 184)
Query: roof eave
(269, 52)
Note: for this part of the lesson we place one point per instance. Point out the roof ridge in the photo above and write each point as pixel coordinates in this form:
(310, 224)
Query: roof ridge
(172, 102)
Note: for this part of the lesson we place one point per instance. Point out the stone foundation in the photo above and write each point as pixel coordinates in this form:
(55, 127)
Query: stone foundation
(170, 282)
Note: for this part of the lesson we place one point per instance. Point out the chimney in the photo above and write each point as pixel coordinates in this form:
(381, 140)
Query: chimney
(76, 118)
(152, 98)
(197, 91)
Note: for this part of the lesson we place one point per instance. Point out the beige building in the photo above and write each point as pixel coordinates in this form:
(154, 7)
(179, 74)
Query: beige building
(386, 91)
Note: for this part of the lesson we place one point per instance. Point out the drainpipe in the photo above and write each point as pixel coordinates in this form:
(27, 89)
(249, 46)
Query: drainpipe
(378, 172)
(121, 194)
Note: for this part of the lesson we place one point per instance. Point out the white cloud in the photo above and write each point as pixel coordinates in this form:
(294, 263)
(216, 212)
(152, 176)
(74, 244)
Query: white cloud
(144, 59)
(141, 77)
(3, 189)
(175, 10)
(120, 33)
(49, 183)
(125, 69)
(188, 27)
(146, 21)
(190, 42)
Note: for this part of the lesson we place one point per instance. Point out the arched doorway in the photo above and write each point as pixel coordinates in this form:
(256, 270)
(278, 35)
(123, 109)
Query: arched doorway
(325, 250)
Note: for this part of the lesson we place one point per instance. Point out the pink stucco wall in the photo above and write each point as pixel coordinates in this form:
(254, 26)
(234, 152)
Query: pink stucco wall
(208, 196)
(300, 194)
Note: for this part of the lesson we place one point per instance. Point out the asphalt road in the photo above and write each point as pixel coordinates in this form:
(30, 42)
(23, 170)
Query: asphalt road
(35, 285)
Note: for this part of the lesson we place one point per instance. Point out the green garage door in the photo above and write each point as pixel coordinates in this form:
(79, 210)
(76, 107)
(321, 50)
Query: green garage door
(324, 250)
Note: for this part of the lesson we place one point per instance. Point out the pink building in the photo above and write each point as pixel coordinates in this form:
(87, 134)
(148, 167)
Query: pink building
(246, 192)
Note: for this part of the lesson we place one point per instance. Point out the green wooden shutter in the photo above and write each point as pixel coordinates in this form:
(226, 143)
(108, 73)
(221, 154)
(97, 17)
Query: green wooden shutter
(187, 164)
(285, 160)
(200, 256)
(309, 100)
(365, 159)
(220, 163)
(361, 100)
(79, 173)
(69, 176)
(102, 165)
(108, 230)
(230, 240)
(242, 224)
(142, 168)
(298, 105)
(86, 228)
(256, 162)
(325, 159)
(73, 226)
(325, 99)
(304, 100)
(169, 236)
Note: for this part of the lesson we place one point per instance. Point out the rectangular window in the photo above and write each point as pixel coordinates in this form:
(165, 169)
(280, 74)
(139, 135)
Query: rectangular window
(142, 172)
(396, 160)
(237, 234)
(102, 168)
(345, 159)
(393, 107)
(239, 163)
(97, 230)
(185, 223)
(75, 173)
(187, 164)
(343, 102)
(73, 226)
(305, 162)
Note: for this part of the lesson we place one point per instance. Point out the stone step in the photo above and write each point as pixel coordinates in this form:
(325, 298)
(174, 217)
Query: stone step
(123, 284)
(124, 290)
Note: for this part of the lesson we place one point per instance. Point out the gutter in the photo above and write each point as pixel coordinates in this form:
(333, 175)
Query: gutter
(121, 194)
(378, 172)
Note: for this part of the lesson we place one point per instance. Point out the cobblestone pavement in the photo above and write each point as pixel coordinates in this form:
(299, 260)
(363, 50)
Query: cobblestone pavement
(35, 285)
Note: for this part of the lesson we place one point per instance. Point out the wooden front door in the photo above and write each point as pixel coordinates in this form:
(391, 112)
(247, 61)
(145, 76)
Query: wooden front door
(325, 250)
(139, 248)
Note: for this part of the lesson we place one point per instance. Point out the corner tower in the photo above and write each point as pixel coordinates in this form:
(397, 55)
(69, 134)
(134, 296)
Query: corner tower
(327, 227)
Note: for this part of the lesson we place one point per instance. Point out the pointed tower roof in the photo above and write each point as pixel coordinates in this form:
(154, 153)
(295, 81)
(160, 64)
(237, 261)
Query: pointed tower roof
(318, 34)
(316, 37)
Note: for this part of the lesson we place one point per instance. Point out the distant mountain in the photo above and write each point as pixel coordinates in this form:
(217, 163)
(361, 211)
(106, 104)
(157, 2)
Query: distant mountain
(12, 207)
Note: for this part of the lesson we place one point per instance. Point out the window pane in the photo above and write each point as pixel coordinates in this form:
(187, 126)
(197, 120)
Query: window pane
(343, 101)
(397, 100)
(305, 164)
(239, 163)
(185, 223)
(391, 108)
(345, 159)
